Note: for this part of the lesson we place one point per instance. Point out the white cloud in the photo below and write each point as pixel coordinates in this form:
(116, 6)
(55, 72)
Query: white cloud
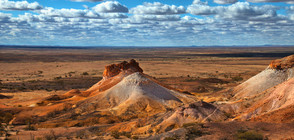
(225, 1)
(19, 5)
(158, 8)
(4, 17)
(200, 2)
(290, 11)
(76, 13)
(245, 11)
(86, 7)
(27, 17)
(156, 17)
(201, 9)
(236, 24)
(49, 11)
(237, 11)
(110, 7)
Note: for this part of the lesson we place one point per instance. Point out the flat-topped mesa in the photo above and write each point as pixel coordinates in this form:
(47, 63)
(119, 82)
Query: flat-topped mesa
(283, 63)
(115, 69)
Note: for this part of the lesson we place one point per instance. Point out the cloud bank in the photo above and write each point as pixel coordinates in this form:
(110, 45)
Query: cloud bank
(156, 24)
(157, 8)
(19, 5)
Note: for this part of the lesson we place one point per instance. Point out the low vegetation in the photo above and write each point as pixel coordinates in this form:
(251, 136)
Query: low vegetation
(194, 130)
(115, 134)
(5, 118)
(58, 83)
(249, 135)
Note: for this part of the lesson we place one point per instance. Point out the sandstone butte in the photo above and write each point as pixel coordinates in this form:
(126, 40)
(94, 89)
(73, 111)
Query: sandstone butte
(115, 69)
(283, 63)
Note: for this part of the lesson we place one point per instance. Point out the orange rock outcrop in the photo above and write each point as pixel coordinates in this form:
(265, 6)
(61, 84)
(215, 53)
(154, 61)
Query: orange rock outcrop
(115, 69)
(283, 63)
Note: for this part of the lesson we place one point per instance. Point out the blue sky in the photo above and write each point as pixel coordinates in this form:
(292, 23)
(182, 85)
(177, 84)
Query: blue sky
(147, 22)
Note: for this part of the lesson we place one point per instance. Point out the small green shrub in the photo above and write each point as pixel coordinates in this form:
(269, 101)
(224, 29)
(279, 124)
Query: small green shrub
(135, 137)
(190, 80)
(115, 134)
(5, 117)
(237, 78)
(194, 132)
(127, 134)
(249, 135)
(57, 78)
(85, 73)
(185, 125)
(51, 136)
(30, 127)
(174, 137)
(228, 115)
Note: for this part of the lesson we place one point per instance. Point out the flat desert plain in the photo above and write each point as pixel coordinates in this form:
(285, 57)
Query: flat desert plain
(29, 74)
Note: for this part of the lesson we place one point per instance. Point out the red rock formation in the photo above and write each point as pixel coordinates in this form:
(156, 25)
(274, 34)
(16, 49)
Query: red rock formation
(115, 69)
(283, 63)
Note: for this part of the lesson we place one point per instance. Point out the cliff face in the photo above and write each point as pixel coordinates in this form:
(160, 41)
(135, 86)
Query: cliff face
(283, 63)
(115, 69)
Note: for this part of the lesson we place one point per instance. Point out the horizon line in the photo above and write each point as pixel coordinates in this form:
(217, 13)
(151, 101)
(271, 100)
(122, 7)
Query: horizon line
(191, 46)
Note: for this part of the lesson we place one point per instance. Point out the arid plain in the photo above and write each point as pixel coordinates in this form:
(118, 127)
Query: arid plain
(29, 75)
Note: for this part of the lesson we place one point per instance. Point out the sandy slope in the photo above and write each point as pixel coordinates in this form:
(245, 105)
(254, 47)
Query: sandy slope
(277, 102)
(133, 90)
(268, 96)
(198, 112)
(262, 81)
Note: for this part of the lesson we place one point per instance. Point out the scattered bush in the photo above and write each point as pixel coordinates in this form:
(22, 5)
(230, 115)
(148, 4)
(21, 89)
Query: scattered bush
(57, 78)
(228, 115)
(194, 130)
(190, 80)
(175, 137)
(40, 72)
(5, 117)
(115, 134)
(51, 136)
(127, 134)
(135, 137)
(85, 73)
(185, 125)
(237, 78)
(249, 135)
(82, 134)
(29, 126)
(53, 113)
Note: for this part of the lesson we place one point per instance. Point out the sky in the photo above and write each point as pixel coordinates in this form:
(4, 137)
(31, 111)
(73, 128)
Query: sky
(147, 22)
